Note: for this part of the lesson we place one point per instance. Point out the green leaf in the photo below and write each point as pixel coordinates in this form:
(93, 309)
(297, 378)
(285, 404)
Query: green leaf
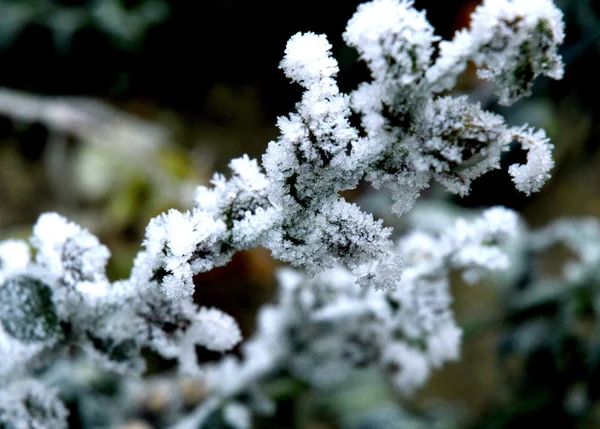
(27, 312)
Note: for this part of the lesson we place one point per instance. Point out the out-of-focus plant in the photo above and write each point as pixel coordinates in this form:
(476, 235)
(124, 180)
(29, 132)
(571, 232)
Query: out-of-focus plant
(549, 346)
(125, 23)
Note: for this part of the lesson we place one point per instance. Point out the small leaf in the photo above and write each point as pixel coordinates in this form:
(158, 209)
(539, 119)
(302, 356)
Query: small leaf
(114, 350)
(30, 404)
(27, 312)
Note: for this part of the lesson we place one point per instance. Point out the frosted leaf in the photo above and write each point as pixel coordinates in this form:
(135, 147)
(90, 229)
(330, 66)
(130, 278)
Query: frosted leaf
(512, 41)
(121, 355)
(180, 245)
(518, 41)
(214, 330)
(231, 199)
(458, 142)
(354, 236)
(28, 404)
(310, 161)
(531, 176)
(393, 38)
(68, 251)
(27, 311)
(161, 322)
(307, 59)
(343, 234)
(408, 366)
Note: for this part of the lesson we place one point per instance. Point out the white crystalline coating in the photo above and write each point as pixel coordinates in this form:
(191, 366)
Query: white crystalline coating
(249, 173)
(531, 176)
(18, 355)
(51, 230)
(393, 38)
(14, 257)
(308, 165)
(414, 136)
(412, 367)
(171, 241)
(251, 230)
(498, 220)
(451, 62)
(215, 330)
(28, 404)
(178, 285)
(512, 41)
(182, 234)
(307, 59)
(444, 141)
(68, 251)
(247, 184)
(527, 12)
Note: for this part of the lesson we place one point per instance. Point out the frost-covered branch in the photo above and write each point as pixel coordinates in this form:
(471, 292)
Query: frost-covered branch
(412, 133)
(413, 136)
(322, 328)
(61, 301)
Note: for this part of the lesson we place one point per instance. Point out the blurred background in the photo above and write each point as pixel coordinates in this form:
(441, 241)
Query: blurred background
(113, 111)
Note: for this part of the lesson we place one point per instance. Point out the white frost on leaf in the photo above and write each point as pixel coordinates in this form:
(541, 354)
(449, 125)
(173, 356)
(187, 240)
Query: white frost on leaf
(532, 175)
(14, 257)
(511, 41)
(29, 404)
(393, 38)
(307, 60)
(215, 330)
(68, 251)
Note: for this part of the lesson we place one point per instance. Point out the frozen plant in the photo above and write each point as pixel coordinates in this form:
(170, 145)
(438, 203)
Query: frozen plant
(551, 320)
(413, 135)
(578, 277)
(412, 132)
(322, 328)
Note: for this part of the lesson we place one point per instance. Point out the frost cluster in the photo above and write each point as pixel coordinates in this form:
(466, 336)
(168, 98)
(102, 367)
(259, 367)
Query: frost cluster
(414, 133)
(323, 327)
(60, 302)
(411, 133)
(28, 404)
